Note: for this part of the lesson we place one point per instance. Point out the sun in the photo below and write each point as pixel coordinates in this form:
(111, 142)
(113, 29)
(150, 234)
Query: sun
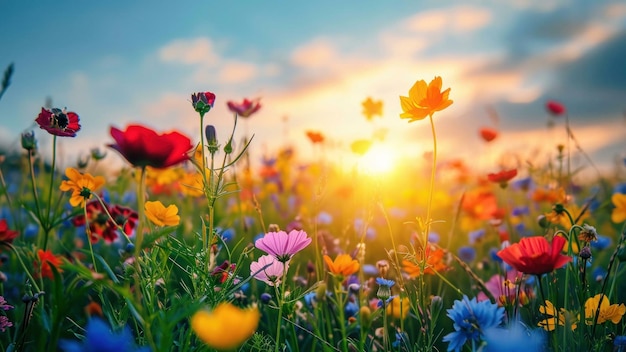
(378, 160)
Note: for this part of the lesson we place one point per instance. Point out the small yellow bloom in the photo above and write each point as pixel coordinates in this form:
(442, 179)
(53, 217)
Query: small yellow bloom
(398, 308)
(608, 311)
(162, 216)
(226, 327)
(81, 185)
(565, 318)
(342, 266)
(619, 212)
(424, 100)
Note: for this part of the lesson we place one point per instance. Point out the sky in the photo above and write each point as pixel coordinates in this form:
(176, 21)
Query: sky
(313, 63)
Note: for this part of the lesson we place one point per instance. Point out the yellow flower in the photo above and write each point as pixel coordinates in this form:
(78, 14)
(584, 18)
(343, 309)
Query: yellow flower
(343, 265)
(191, 184)
(226, 327)
(424, 100)
(162, 216)
(565, 318)
(608, 311)
(81, 185)
(398, 308)
(619, 212)
(372, 108)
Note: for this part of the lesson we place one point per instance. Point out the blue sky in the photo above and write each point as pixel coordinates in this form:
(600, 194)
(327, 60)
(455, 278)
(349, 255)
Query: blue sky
(313, 63)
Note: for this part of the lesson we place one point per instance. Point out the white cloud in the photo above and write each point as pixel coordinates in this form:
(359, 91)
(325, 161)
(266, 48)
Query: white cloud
(237, 72)
(457, 19)
(190, 52)
(315, 54)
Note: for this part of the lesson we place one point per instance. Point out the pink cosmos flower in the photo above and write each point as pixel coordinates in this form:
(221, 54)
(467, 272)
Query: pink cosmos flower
(282, 245)
(246, 108)
(267, 269)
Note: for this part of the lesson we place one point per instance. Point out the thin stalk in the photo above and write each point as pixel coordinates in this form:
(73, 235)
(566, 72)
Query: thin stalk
(47, 227)
(88, 231)
(33, 184)
(431, 187)
(279, 299)
(30, 277)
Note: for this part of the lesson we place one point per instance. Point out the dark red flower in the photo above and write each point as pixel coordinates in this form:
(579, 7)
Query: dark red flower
(502, 177)
(203, 102)
(58, 122)
(555, 108)
(488, 134)
(101, 225)
(315, 137)
(535, 256)
(142, 146)
(6, 235)
(246, 108)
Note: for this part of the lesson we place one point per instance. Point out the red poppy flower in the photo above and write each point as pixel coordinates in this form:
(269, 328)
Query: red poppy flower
(58, 122)
(142, 146)
(6, 235)
(47, 260)
(315, 137)
(246, 108)
(502, 177)
(534, 255)
(203, 102)
(101, 226)
(555, 108)
(488, 134)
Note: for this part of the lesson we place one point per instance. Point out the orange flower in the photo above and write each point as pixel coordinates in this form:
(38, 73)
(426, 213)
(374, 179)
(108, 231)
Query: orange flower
(534, 255)
(315, 137)
(81, 185)
(47, 260)
(424, 100)
(343, 265)
(434, 263)
(488, 134)
(372, 108)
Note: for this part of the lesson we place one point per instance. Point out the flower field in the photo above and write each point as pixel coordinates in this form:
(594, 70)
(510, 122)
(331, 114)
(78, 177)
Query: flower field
(192, 246)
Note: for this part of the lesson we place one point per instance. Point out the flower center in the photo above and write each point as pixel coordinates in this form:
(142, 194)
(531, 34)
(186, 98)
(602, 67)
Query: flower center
(59, 119)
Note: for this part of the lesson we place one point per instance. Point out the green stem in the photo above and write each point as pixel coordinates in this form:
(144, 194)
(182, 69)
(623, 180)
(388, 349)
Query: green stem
(33, 184)
(30, 277)
(139, 232)
(432, 180)
(88, 231)
(48, 226)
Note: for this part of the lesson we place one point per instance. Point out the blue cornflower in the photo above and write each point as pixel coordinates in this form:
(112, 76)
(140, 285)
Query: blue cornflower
(100, 338)
(433, 237)
(619, 343)
(471, 318)
(601, 242)
(467, 254)
(516, 338)
(519, 211)
(324, 218)
(476, 236)
(384, 288)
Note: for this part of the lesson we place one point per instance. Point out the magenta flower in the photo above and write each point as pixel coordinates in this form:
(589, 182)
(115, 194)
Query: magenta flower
(202, 102)
(245, 108)
(268, 269)
(282, 245)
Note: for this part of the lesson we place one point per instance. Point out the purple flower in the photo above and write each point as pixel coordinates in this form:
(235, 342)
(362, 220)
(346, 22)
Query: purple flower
(282, 245)
(4, 305)
(268, 270)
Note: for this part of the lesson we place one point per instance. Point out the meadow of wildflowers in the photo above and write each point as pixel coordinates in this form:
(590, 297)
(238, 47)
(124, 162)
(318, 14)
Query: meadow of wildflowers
(191, 247)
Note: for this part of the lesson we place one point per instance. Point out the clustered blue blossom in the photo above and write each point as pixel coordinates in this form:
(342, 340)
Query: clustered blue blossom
(471, 318)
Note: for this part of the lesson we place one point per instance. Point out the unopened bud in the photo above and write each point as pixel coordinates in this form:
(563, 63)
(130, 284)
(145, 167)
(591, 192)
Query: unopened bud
(28, 141)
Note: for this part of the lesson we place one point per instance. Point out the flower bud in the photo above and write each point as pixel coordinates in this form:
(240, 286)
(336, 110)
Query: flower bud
(97, 154)
(365, 313)
(266, 297)
(28, 141)
(585, 252)
(211, 138)
(320, 293)
(202, 102)
(383, 268)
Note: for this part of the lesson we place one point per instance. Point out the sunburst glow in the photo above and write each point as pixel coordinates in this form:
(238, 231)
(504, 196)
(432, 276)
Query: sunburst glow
(378, 160)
